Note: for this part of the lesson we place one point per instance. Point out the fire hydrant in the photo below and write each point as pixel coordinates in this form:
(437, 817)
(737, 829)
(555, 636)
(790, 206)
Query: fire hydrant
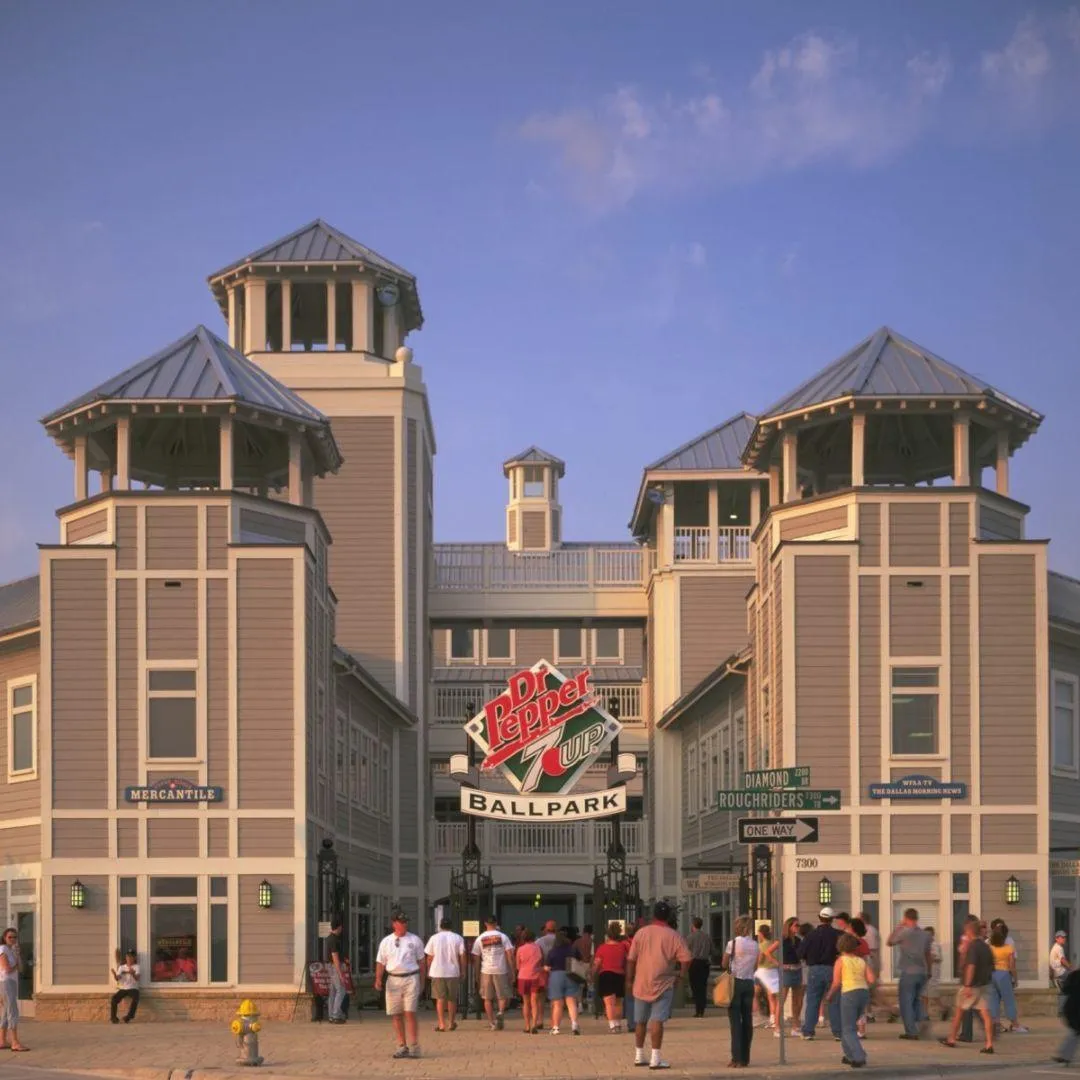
(246, 1028)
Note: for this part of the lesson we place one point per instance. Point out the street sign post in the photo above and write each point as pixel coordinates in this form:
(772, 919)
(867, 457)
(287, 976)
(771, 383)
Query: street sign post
(702, 882)
(798, 830)
(770, 779)
(779, 800)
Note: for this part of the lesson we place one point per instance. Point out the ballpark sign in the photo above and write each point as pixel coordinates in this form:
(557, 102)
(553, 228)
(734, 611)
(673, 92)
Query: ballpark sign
(542, 733)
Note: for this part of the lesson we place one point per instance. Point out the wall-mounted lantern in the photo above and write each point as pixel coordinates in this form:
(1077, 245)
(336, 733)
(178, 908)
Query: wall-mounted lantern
(78, 894)
(266, 894)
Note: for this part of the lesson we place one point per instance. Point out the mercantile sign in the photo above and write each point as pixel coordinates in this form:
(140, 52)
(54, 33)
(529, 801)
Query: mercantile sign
(542, 733)
(173, 790)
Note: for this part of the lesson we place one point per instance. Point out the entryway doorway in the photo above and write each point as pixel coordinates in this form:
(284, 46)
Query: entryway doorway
(24, 920)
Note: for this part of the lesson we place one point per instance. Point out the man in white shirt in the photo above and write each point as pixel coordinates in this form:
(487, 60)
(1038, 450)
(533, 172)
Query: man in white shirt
(494, 956)
(446, 967)
(1059, 963)
(127, 979)
(402, 964)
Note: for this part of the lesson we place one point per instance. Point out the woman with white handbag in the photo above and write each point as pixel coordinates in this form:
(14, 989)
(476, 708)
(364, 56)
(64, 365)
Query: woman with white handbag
(740, 961)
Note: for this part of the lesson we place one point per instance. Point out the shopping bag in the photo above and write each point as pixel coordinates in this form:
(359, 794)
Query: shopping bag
(723, 990)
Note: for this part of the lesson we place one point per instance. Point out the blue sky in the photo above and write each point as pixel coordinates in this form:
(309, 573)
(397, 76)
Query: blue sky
(628, 220)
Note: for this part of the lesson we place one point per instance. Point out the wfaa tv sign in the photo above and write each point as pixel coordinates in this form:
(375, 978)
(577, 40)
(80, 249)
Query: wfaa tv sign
(543, 732)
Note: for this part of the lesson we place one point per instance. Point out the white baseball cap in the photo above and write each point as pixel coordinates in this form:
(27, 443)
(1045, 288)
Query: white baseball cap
(827, 913)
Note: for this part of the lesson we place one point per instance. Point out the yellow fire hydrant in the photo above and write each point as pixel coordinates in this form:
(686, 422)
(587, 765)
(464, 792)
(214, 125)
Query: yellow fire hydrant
(246, 1028)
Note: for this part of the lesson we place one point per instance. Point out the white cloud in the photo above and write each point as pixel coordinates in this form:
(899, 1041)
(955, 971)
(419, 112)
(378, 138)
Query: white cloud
(817, 100)
(1026, 56)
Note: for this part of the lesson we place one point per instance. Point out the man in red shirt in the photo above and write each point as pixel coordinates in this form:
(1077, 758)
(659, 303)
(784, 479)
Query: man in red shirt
(650, 970)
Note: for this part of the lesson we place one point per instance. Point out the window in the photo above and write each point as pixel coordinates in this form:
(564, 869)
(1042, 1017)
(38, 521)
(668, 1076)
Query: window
(914, 711)
(961, 884)
(870, 884)
(172, 713)
(534, 482)
(764, 725)
(569, 643)
(462, 643)
(607, 643)
(129, 912)
(174, 930)
(693, 789)
(219, 929)
(385, 774)
(22, 728)
(1066, 727)
(497, 643)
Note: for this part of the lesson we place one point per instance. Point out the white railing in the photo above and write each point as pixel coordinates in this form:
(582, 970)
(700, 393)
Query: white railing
(456, 703)
(697, 543)
(465, 567)
(498, 839)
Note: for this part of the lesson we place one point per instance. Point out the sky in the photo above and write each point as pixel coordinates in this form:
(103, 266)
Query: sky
(629, 221)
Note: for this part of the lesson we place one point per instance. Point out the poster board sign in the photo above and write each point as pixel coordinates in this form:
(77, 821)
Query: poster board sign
(319, 977)
(470, 928)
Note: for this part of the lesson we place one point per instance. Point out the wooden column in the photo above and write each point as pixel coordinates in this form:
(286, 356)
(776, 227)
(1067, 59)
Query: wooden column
(254, 315)
(392, 335)
(286, 316)
(774, 485)
(296, 469)
(226, 479)
(331, 316)
(790, 455)
(962, 451)
(714, 520)
(234, 319)
(363, 317)
(858, 450)
(80, 468)
(755, 505)
(123, 453)
(1001, 470)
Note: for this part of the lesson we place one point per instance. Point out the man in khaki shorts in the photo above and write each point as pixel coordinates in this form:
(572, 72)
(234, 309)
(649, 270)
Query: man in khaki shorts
(446, 967)
(494, 955)
(402, 965)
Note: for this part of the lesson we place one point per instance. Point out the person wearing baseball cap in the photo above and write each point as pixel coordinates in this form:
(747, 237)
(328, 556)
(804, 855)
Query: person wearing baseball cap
(402, 962)
(819, 951)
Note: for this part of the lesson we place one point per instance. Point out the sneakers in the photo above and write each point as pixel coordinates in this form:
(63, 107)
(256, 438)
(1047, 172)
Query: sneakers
(493, 1026)
(1019, 1029)
(660, 1065)
(499, 1021)
(414, 1051)
(575, 1029)
(401, 1052)
(555, 1031)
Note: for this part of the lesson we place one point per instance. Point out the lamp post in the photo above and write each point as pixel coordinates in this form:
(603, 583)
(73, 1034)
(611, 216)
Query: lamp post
(470, 887)
(616, 889)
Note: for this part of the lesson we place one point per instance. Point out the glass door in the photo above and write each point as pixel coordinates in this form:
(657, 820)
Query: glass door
(928, 916)
(26, 925)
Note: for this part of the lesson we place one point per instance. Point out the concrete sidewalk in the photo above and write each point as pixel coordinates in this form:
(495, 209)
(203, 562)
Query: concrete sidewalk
(695, 1048)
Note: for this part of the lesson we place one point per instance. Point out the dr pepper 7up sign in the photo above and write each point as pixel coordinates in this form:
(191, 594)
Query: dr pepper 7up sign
(543, 730)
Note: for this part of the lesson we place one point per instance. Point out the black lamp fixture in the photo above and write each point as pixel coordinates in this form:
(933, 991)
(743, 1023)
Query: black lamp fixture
(824, 891)
(1013, 892)
(266, 894)
(78, 894)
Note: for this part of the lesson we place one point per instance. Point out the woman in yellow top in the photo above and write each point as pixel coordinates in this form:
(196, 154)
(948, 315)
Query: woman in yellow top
(852, 979)
(1003, 979)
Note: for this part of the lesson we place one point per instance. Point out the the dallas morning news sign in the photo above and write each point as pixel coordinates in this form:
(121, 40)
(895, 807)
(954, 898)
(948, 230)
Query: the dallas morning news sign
(543, 731)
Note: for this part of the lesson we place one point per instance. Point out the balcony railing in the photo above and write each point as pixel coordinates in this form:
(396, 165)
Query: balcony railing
(452, 703)
(498, 839)
(463, 567)
(699, 543)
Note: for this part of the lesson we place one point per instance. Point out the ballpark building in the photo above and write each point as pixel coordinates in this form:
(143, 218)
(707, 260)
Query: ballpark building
(244, 641)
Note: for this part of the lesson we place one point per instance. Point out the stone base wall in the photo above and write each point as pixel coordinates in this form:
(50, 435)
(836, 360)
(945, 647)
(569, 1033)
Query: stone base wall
(157, 1005)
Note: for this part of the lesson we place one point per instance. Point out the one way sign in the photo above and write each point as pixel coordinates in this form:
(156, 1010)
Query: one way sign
(796, 830)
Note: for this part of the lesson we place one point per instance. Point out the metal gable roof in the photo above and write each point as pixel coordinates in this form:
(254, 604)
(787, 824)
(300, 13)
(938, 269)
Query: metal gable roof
(1064, 595)
(317, 242)
(886, 364)
(198, 367)
(19, 604)
(720, 448)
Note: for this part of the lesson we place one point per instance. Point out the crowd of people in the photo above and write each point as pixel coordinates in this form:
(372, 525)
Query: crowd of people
(811, 976)
(828, 973)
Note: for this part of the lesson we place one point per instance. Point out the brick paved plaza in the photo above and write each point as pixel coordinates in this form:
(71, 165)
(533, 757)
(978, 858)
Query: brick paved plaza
(695, 1048)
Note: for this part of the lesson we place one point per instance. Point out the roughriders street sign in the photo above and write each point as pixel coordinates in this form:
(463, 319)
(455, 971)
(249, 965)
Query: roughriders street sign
(543, 732)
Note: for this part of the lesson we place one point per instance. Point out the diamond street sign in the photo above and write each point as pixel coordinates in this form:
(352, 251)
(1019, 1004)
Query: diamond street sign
(778, 800)
(796, 830)
(769, 779)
